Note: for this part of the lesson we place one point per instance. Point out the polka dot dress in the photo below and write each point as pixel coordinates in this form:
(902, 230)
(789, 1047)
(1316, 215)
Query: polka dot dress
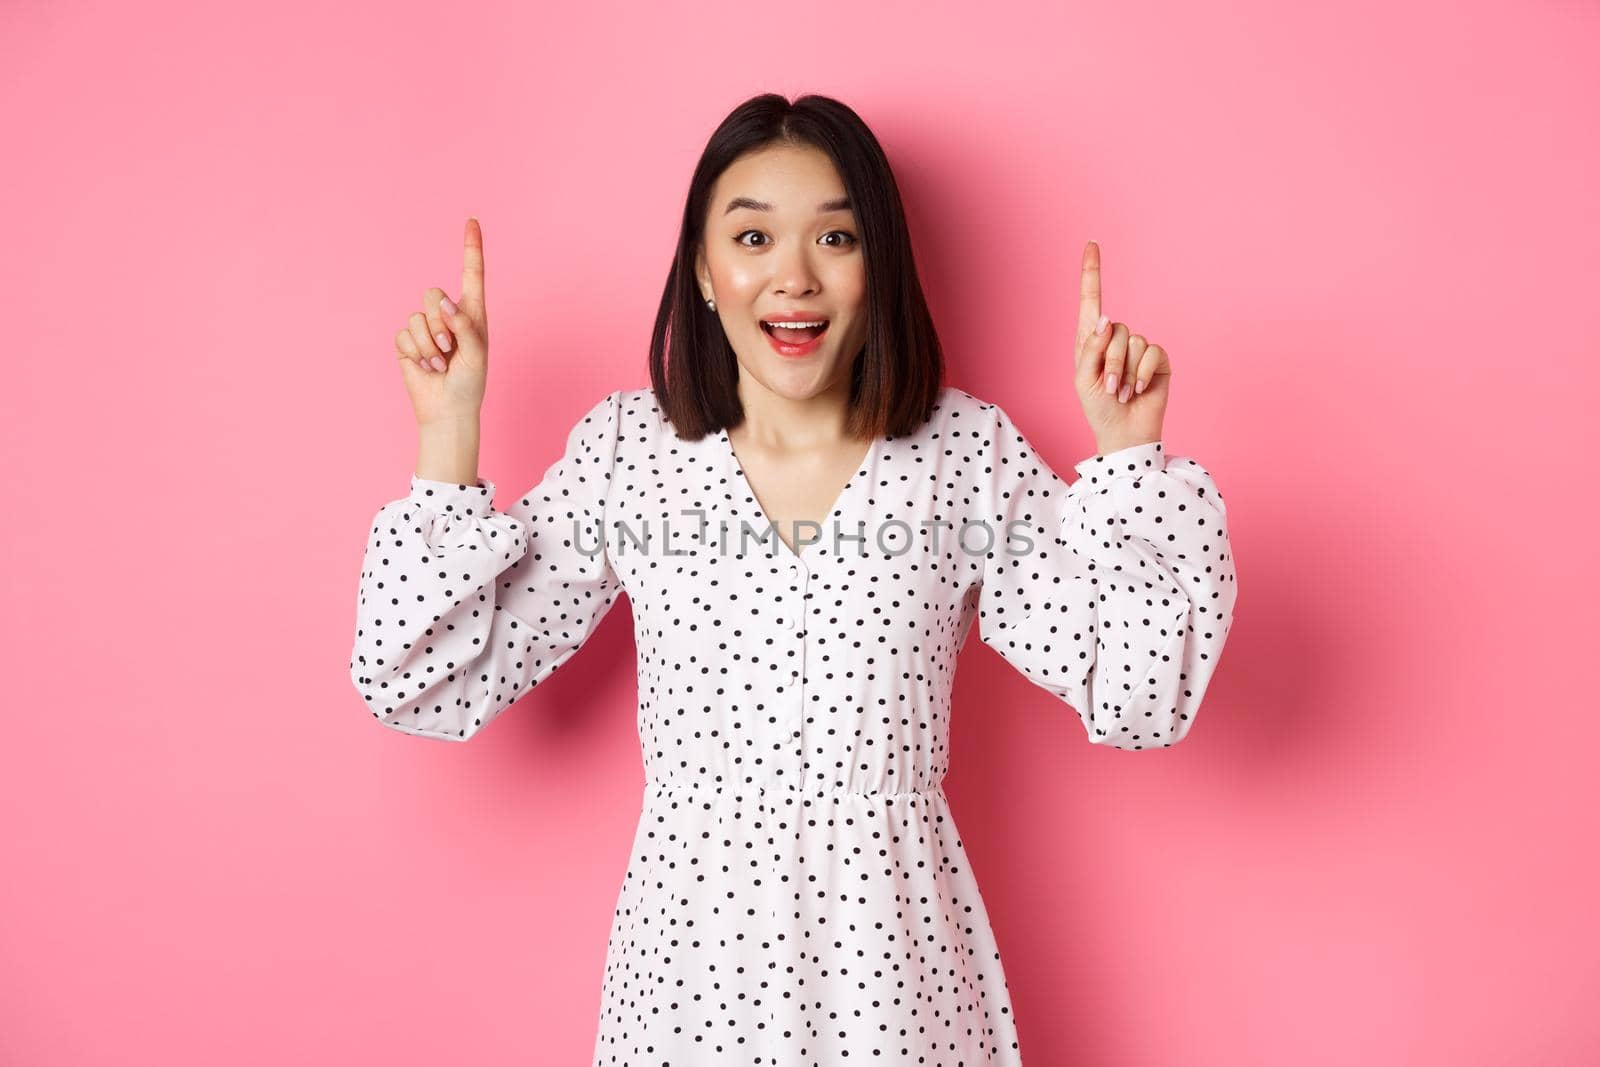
(797, 891)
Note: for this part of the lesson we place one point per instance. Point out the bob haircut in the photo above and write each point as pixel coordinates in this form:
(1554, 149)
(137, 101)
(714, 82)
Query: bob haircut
(896, 377)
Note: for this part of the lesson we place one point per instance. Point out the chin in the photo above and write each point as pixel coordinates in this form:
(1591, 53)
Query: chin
(793, 379)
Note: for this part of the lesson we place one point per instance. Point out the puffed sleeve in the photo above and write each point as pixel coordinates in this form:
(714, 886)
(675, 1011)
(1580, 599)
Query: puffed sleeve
(461, 609)
(1115, 593)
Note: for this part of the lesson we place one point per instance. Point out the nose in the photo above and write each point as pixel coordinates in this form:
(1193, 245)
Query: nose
(793, 274)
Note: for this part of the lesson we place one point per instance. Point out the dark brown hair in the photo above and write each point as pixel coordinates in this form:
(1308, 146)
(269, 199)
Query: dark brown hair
(896, 378)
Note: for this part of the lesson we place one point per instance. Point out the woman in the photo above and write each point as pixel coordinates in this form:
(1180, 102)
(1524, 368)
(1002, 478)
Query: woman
(797, 891)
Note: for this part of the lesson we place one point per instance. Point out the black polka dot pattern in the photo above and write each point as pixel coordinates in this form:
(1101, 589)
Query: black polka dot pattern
(797, 892)
(1123, 609)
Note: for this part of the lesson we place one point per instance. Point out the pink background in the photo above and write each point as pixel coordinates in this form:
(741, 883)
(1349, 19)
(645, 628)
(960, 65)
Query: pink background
(1366, 234)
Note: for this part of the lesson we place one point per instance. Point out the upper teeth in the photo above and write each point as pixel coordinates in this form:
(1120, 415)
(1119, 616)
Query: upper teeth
(795, 325)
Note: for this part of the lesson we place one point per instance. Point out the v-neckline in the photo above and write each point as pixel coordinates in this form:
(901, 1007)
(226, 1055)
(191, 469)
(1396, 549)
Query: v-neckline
(761, 512)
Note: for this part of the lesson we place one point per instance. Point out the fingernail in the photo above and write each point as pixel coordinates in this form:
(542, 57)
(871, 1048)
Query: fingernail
(1100, 327)
(443, 339)
(438, 364)
(449, 308)
(1111, 382)
(1139, 386)
(1122, 397)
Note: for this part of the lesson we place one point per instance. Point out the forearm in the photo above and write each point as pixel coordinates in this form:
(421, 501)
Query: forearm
(448, 451)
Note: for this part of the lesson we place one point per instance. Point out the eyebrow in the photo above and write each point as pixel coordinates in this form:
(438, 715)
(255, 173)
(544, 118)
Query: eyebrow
(841, 204)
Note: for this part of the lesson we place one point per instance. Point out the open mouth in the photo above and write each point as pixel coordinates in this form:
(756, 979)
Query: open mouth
(792, 336)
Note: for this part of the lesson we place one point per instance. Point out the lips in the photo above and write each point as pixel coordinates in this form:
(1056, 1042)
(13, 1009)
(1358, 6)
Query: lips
(790, 336)
(806, 344)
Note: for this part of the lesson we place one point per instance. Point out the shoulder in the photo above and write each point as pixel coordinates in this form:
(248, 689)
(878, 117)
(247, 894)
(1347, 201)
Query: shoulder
(622, 409)
(636, 399)
(640, 414)
(960, 412)
(640, 405)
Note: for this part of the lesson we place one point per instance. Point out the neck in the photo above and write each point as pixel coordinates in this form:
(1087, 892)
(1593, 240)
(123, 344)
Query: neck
(783, 424)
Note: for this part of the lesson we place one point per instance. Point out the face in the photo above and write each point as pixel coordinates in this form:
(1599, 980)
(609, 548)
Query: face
(760, 261)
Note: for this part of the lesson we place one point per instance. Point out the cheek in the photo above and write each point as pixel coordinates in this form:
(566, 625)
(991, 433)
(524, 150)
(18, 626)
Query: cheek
(737, 278)
(849, 283)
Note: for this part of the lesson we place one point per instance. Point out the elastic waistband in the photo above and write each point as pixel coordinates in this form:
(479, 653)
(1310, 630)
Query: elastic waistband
(789, 792)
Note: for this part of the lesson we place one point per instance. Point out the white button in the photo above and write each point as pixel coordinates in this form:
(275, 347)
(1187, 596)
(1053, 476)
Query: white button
(787, 623)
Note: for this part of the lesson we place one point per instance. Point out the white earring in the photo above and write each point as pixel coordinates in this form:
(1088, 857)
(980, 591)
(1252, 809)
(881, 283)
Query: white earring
(712, 304)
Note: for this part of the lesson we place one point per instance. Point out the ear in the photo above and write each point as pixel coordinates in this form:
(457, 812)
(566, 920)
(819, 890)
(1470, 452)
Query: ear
(700, 272)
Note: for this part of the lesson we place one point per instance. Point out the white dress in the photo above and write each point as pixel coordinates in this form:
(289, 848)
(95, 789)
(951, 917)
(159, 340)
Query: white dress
(797, 891)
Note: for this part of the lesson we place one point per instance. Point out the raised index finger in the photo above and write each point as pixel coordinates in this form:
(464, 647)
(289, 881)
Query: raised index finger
(1089, 292)
(472, 270)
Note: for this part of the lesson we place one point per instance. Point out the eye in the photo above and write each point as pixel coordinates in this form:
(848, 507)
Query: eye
(849, 238)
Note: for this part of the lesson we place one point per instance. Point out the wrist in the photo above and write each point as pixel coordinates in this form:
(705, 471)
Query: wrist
(1108, 445)
(447, 451)
(450, 423)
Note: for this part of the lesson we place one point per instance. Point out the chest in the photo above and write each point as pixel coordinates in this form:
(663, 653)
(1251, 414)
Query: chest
(799, 494)
(724, 576)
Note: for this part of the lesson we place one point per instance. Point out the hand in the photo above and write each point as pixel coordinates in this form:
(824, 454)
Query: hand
(1133, 414)
(444, 351)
